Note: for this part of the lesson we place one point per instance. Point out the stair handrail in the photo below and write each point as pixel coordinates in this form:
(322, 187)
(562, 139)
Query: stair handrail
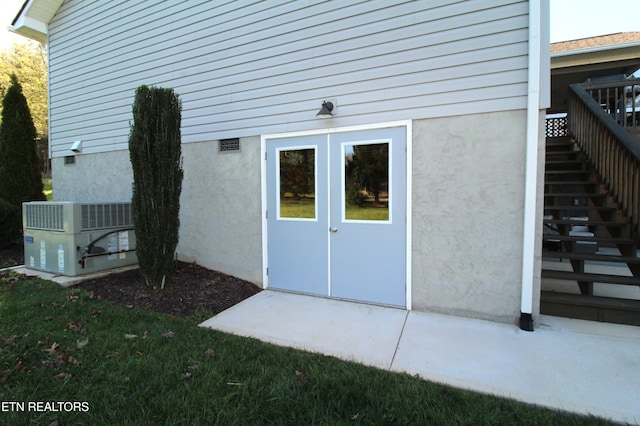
(620, 98)
(613, 152)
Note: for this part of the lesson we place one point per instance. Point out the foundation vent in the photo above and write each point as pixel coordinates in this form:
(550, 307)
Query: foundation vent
(227, 145)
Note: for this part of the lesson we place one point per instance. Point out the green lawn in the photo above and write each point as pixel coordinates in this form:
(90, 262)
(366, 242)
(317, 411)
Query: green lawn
(366, 213)
(124, 366)
(48, 191)
(304, 208)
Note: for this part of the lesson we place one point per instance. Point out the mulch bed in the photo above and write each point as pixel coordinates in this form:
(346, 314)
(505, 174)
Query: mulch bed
(193, 291)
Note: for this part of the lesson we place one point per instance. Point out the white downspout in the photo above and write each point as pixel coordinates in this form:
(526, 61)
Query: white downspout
(531, 167)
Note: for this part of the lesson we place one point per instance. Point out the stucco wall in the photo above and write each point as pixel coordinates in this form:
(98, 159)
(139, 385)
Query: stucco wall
(94, 177)
(468, 198)
(220, 225)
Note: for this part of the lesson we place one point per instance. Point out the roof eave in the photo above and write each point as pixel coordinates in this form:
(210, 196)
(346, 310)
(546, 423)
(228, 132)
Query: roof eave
(32, 21)
(595, 49)
(30, 28)
(623, 52)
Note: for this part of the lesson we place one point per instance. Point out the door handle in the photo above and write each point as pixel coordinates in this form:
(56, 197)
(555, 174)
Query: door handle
(332, 229)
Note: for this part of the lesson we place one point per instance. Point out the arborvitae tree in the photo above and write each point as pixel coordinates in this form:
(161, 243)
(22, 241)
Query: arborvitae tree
(20, 175)
(11, 221)
(156, 159)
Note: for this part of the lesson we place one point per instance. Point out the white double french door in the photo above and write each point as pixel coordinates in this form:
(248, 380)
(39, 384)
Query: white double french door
(336, 215)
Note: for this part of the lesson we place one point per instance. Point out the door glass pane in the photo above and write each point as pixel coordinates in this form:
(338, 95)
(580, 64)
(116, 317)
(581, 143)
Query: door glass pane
(366, 181)
(297, 183)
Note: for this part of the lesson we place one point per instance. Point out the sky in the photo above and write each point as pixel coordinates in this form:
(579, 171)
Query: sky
(570, 19)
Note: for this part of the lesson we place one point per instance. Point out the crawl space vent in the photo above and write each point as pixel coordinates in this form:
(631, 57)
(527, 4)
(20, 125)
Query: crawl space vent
(227, 145)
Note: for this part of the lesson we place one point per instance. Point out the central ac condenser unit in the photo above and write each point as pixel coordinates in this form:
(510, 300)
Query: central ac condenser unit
(71, 238)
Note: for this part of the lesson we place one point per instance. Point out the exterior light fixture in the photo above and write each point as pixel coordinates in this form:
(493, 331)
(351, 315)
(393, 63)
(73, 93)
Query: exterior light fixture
(326, 110)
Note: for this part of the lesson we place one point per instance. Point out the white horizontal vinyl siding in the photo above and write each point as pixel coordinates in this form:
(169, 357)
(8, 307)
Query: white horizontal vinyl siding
(249, 68)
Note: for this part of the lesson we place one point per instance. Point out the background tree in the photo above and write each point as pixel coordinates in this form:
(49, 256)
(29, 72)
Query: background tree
(297, 173)
(367, 170)
(373, 167)
(156, 159)
(20, 175)
(28, 60)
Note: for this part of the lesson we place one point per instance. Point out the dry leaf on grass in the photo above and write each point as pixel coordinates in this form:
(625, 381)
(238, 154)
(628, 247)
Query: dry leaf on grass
(64, 358)
(52, 349)
(74, 325)
(4, 374)
(63, 375)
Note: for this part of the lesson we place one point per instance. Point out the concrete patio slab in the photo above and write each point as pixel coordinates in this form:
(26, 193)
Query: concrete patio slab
(573, 365)
(66, 281)
(352, 331)
(563, 364)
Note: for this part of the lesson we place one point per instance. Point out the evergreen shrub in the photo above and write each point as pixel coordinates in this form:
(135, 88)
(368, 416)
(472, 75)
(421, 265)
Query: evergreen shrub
(20, 172)
(11, 223)
(156, 159)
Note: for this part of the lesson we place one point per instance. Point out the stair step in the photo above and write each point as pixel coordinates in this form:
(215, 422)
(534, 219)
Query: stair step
(585, 239)
(562, 153)
(565, 152)
(576, 194)
(572, 182)
(565, 165)
(567, 172)
(564, 162)
(559, 141)
(582, 208)
(584, 222)
(548, 254)
(590, 278)
(593, 308)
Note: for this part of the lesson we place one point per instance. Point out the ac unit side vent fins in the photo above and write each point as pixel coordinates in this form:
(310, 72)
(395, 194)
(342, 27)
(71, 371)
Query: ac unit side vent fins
(44, 216)
(100, 216)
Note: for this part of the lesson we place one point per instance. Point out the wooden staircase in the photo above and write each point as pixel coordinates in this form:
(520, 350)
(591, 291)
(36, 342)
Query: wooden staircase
(591, 268)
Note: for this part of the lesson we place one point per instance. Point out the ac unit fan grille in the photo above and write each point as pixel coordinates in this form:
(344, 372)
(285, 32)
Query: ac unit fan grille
(99, 216)
(44, 216)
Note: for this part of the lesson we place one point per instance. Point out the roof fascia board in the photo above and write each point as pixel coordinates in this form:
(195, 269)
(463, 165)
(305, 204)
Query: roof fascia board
(589, 50)
(28, 26)
(630, 52)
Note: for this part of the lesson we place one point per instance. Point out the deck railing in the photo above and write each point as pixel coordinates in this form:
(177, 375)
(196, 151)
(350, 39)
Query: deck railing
(614, 153)
(620, 99)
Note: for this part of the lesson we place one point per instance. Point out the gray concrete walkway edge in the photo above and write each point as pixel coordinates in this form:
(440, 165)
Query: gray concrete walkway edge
(576, 366)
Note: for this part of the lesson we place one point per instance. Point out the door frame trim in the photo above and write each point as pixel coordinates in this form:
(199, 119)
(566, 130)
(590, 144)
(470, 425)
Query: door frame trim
(409, 169)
